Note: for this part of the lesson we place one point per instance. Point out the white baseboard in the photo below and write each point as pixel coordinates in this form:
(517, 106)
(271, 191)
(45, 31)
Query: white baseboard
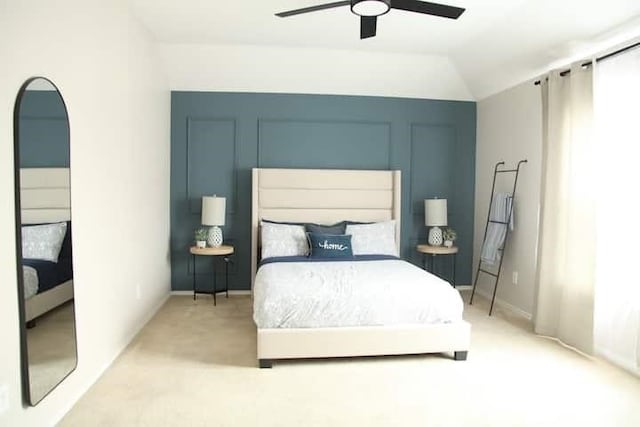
(503, 304)
(627, 365)
(231, 292)
(499, 302)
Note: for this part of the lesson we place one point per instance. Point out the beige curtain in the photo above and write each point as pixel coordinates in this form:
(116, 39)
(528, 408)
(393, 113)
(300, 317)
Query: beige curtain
(566, 247)
(617, 292)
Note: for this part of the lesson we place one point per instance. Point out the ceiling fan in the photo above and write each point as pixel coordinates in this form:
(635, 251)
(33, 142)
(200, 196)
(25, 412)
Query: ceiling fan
(369, 10)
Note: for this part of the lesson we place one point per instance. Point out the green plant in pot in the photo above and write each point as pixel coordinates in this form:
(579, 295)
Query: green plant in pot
(201, 237)
(449, 236)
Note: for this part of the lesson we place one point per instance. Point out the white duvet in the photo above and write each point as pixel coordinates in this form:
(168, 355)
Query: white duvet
(30, 281)
(351, 293)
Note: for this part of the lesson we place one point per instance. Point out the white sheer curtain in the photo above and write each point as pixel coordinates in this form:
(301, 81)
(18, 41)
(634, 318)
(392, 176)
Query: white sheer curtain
(566, 246)
(617, 296)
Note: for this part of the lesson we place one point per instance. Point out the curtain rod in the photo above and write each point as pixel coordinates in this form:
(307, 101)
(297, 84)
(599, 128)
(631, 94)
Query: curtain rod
(601, 58)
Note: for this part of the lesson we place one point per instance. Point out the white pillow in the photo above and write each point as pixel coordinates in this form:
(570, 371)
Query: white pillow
(283, 240)
(378, 238)
(43, 241)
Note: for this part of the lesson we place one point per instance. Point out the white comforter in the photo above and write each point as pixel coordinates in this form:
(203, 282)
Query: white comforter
(30, 281)
(351, 293)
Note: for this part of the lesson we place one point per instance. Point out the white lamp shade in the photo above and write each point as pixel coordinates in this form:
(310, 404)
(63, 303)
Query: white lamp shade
(213, 210)
(435, 212)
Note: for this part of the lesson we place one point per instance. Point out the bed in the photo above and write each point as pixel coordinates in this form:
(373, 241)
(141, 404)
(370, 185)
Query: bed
(328, 197)
(45, 199)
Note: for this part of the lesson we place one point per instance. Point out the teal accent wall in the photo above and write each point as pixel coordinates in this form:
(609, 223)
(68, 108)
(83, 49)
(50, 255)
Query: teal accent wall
(217, 138)
(44, 133)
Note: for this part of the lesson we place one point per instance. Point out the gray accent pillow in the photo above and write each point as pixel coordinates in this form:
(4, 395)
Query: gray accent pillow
(334, 229)
(337, 228)
(43, 241)
(281, 222)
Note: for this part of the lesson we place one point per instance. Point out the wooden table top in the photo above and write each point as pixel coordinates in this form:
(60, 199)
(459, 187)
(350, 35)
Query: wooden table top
(437, 250)
(220, 250)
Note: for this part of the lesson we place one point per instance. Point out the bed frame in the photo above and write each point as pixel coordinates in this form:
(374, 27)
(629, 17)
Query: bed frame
(45, 197)
(327, 196)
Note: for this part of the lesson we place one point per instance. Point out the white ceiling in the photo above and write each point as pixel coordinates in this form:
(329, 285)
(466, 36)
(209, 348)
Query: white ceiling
(494, 45)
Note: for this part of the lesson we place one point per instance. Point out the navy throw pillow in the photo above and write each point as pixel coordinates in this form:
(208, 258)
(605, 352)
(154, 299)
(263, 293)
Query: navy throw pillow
(330, 245)
(338, 228)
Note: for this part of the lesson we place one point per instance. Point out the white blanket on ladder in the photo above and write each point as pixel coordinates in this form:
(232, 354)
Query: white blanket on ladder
(501, 206)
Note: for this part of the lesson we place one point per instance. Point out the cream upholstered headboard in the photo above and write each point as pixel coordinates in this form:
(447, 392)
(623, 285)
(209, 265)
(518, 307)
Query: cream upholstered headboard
(44, 195)
(322, 196)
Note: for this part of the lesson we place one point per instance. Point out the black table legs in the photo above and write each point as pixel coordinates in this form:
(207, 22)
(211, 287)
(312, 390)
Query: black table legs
(226, 274)
(215, 286)
(429, 266)
(193, 257)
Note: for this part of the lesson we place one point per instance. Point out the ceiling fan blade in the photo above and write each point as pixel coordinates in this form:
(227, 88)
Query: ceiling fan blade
(313, 8)
(368, 26)
(429, 8)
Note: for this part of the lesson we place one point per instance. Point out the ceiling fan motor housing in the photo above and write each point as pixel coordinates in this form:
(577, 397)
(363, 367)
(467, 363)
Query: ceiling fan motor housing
(370, 7)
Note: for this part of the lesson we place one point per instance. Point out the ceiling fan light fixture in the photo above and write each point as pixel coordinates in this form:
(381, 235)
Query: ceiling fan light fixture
(370, 7)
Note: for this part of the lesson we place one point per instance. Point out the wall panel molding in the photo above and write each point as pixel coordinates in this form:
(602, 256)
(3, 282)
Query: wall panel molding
(415, 166)
(262, 122)
(195, 208)
(313, 131)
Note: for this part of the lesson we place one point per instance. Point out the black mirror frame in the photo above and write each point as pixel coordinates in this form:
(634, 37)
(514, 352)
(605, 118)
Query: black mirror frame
(24, 355)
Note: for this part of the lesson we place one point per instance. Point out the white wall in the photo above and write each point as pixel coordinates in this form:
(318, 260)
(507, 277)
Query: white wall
(510, 129)
(118, 102)
(311, 70)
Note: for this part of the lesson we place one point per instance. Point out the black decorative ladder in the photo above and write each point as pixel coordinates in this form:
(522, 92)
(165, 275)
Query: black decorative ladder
(496, 276)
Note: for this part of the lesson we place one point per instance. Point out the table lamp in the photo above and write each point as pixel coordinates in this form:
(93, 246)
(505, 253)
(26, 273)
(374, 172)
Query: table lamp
(435, 215)
(213, 213)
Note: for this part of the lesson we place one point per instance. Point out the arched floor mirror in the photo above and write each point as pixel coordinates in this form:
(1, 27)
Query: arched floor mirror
(43, 238)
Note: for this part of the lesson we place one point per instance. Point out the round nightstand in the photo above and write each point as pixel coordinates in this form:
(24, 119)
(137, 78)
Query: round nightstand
(433, 251)
(225, 251)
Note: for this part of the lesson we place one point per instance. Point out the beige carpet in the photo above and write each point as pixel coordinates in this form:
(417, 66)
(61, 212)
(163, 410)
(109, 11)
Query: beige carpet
(194, 365)
(52, 349)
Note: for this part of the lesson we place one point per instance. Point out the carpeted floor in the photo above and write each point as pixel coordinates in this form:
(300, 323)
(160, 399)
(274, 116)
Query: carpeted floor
(52, 349)
(194, 365)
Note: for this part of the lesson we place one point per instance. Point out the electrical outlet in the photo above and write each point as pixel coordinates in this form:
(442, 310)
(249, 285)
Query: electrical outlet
(514, 278)
(4, 398)
(138, 292)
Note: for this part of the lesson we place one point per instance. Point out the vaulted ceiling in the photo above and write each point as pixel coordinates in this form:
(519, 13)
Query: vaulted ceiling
(494, 44)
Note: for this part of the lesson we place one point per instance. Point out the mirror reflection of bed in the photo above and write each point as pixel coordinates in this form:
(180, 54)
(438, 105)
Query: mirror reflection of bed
(43, 206)
(46, 240)
(48, 285)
